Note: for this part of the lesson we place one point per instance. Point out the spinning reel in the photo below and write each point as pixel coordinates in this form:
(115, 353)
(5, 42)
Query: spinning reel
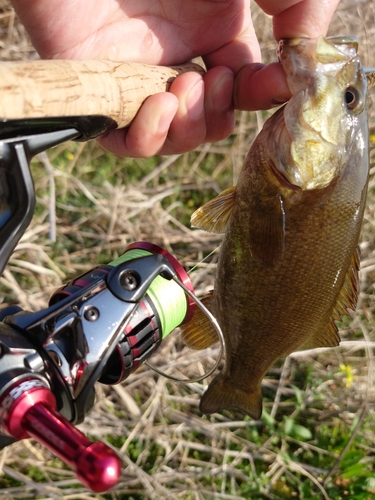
(100, 327)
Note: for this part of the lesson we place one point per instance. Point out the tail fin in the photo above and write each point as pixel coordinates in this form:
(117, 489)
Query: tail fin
(220, 395)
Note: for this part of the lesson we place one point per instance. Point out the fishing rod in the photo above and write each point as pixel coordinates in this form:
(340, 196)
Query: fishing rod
(106, 323)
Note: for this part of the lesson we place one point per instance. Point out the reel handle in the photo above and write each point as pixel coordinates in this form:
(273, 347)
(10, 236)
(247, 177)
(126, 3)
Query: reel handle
(95, 464)
(28, 410)
(61, 88)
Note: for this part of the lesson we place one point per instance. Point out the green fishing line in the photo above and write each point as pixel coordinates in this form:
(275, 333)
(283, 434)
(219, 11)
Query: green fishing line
(167, 296)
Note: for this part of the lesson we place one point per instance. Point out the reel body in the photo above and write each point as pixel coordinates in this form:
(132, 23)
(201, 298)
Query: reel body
(101, 326)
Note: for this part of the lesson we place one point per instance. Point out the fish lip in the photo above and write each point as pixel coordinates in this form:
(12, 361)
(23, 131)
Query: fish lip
(283, 180)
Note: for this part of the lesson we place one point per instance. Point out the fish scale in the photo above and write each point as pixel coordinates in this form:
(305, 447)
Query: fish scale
(288, 265)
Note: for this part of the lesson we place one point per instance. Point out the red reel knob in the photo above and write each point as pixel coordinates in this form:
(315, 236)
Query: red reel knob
(28, 410)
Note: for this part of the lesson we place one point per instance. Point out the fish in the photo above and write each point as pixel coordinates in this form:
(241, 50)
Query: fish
(288, 267)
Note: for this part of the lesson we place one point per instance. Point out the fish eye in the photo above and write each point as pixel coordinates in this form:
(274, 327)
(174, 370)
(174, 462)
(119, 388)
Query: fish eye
(353, 99)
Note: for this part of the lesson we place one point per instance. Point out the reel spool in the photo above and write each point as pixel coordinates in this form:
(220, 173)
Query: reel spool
(164, 307)
(166, 304)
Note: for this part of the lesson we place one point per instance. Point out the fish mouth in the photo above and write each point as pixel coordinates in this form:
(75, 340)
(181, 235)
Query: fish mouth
(282, 179)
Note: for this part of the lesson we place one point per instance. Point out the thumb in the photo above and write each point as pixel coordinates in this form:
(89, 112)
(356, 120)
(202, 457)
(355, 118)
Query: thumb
(260, 87)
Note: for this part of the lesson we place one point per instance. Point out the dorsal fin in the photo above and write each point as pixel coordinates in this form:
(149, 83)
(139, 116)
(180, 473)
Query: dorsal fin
(214, 215)
(328, 337)
(347, 299)
(200, 332)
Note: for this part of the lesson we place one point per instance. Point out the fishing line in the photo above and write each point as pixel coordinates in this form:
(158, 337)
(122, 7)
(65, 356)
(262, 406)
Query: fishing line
(204, 258)
(220, 335)
(173, 301)
(167, 297)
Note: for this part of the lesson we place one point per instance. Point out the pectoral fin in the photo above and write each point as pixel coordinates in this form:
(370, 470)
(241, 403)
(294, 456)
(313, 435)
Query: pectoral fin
(267, 234)
(221, 395)
(347, 299)
(200, 333)
(214, 215)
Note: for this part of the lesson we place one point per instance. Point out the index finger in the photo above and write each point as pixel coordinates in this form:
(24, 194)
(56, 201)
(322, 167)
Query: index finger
(299, 18)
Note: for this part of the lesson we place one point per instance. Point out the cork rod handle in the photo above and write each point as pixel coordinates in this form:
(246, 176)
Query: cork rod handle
(39, 89)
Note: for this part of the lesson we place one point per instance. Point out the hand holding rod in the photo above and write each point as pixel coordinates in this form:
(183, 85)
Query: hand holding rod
(55, 88)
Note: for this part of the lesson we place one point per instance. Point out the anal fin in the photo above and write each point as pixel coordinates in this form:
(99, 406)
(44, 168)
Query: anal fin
(200, 333)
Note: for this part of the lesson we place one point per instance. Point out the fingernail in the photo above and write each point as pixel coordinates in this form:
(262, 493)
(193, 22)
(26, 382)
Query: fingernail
(222, 93)
(195, 101)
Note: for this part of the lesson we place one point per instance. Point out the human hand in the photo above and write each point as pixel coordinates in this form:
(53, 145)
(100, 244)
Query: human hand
(166, 32)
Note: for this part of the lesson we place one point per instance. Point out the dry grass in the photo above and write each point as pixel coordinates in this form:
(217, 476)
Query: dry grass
(169, 450)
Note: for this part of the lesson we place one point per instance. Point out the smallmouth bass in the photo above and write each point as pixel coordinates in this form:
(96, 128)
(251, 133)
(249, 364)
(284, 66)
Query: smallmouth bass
(289, 260)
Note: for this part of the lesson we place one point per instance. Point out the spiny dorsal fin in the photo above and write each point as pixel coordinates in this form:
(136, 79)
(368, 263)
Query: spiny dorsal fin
(268, 234)
(214, 215)
(347, 299)
(370, 79)
(200, 333)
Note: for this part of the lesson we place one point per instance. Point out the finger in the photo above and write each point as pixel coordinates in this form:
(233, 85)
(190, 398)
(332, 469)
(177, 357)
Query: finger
(296, 18)
(260, 87)
(148, 131)
(214, 122)
(188, 128)
(218, 107)
(193, 112)
(244, 49)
